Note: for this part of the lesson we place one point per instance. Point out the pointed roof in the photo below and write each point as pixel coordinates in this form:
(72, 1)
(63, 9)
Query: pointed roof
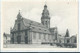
(45, 5)
(19, 15)
(35, 26)
(45, 13)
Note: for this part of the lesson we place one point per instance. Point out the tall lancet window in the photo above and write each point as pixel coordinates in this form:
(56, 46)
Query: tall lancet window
(18, 26)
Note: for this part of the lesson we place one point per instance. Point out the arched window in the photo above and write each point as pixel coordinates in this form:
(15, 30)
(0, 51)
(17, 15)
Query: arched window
(46, 22)
(34, 35)
(18, 39)
(39, 35)
(26, 37)
(44, 36)
(67, 41)
(12, 38)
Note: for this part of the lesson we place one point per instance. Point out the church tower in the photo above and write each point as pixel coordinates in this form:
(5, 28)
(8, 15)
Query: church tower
(45, 19)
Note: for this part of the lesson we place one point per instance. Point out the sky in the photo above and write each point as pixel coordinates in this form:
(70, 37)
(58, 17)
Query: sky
(63, 13)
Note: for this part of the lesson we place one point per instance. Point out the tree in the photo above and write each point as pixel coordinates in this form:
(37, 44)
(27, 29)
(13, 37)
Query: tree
(67, 33)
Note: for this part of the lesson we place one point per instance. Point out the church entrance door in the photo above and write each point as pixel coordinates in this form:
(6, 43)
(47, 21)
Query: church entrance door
(19, 39)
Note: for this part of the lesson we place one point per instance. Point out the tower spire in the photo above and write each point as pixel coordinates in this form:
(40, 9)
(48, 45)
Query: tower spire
(45, 2)
(45, 19)
(19, 15)
(19, 11)
(45, 13)
(67, 33)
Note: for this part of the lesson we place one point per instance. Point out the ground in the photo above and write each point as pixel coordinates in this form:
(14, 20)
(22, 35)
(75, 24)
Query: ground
(29, 46)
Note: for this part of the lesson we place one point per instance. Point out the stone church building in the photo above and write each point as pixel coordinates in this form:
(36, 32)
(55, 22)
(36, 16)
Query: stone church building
(26, 31)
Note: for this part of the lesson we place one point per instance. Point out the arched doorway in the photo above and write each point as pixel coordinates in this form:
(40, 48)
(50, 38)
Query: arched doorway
(18, 39)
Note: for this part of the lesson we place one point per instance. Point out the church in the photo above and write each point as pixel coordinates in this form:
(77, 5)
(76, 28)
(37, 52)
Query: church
(26, 31)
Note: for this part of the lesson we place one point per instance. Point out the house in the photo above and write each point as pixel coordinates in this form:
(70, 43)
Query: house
(73, 39)
(6, 38)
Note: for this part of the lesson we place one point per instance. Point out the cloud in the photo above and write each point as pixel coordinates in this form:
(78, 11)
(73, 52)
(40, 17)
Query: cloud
(55, 20)
(69, 23)
(34, 14)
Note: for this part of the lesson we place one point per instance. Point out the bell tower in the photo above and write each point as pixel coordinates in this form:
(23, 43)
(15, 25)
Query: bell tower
(45, 19)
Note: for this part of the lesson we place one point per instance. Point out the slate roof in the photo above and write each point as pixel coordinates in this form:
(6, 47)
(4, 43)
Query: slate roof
(27, 22)
(53, 29)
(73, 36)
(35, 26)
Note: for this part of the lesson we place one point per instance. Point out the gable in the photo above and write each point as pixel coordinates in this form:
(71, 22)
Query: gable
(22, 26)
